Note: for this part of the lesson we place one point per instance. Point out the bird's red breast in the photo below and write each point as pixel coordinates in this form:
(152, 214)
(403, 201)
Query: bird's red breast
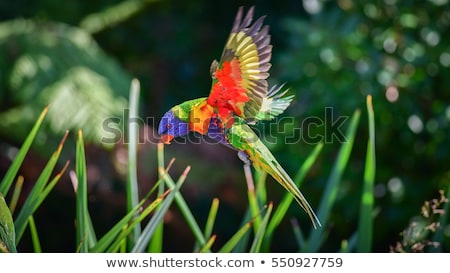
(227, 94)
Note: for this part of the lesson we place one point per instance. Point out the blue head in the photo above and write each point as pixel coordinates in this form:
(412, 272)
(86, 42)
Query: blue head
(171, 126)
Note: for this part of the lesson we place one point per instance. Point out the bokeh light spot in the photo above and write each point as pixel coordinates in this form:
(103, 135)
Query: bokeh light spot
(327, 55)
(447, 113)
(371, 10)
(430, 36)
(392, 94)
(415, 124)
(444, 59)
(389, 45)
(312, 6)
(396, 188)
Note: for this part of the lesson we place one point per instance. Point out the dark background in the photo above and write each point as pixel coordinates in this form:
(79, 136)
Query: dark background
(330, 54)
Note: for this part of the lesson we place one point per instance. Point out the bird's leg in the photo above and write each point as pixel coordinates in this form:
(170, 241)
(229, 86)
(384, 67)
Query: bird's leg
(247, 170)
(244, 157)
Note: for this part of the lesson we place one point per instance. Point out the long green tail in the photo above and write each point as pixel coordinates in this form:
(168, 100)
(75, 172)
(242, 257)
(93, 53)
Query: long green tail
(264, 159)
(242, 137)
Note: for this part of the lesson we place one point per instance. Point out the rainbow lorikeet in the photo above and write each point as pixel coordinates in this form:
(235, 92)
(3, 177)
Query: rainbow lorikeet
(239, 97)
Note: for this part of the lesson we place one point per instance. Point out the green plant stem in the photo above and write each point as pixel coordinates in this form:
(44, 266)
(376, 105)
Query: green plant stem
(366, 215)
(133, 131)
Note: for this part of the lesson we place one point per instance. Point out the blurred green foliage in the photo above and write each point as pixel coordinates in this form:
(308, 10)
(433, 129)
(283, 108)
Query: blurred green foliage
(52, 63)
(330, 53)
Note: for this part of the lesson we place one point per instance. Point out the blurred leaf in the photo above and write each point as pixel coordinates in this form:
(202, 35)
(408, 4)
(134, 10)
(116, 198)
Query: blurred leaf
(52, 63)
(85, 235)
(113, 15)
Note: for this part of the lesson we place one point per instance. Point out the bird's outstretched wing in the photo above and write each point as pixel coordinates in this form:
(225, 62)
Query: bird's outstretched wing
(275, 103)
(239, 78)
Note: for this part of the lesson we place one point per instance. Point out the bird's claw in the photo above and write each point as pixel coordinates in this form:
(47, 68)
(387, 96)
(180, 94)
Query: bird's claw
(244, 157)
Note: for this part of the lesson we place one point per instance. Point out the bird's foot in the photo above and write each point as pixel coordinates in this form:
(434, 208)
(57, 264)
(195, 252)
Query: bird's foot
(248, 172)
(244, 157)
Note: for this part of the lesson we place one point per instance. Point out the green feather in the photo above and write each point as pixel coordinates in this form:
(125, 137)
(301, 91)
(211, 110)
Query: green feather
(183, 110)
(275, 103)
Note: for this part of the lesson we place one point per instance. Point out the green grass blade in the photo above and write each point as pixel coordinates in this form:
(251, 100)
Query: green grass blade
(254, 209)
(284, 205)
(243, 243)
(7, 231)
(34, 236)
(129, 228)
(252, 198)
(133, 131)
(120, 226)
(31, 206)
(207, 247)
(156, 242)
(148, 231)
(35, 197)
(365, 226)
(49, 187)
(314, 242)
(82, 224)
(16, 194)
(259, 236)
(350, 244)
(211, 218)
(306, 166)
(209, 224)
(92, 238)
(10, 175)
(298, 234)
(260, 186)
(184, 208)
(235, 239)
(187, 214)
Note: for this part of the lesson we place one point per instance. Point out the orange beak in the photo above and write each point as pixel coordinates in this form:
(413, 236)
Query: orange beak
(166, 138)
